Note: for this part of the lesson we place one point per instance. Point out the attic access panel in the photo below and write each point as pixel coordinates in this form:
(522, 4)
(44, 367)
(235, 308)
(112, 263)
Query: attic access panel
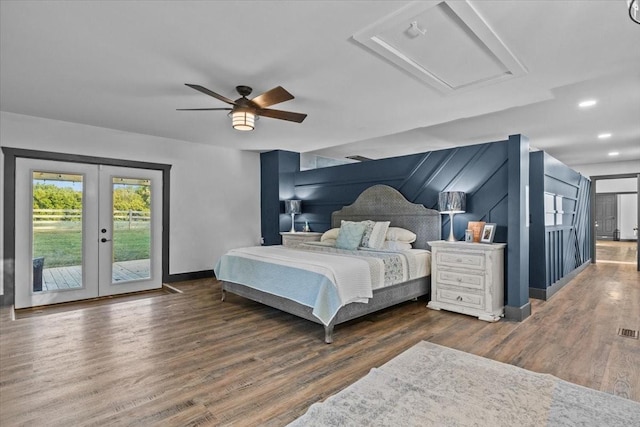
(445, 44)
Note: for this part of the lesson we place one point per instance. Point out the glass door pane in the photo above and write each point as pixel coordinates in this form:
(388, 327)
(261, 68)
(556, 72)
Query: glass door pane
(57, 231)
(131, 229)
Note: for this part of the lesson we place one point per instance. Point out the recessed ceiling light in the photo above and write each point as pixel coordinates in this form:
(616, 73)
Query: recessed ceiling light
(604, 135)
(614, 153)
(587, 103)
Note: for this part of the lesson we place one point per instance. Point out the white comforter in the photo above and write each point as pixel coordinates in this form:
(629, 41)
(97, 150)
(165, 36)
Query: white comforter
(349, 275)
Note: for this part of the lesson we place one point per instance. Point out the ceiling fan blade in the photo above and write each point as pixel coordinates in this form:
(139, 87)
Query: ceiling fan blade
(272, 97)
(210, 93)
(282, 115)
(202, 109)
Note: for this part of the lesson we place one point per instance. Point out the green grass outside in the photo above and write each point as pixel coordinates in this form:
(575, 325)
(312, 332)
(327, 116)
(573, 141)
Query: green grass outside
(62, 246)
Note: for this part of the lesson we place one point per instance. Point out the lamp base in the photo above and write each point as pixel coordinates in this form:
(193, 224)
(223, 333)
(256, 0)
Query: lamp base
(451, 238)
(293, 228)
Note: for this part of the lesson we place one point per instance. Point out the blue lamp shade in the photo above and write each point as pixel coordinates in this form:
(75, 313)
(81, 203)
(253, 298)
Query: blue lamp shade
(452, 202)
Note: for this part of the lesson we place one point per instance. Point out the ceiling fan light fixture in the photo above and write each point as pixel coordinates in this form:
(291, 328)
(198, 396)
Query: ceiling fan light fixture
(245, 111)
(243, 120)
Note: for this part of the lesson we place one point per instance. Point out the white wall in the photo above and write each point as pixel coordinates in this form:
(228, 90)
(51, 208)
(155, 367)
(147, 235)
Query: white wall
(627, 216)
(618, 185)
(215, 192)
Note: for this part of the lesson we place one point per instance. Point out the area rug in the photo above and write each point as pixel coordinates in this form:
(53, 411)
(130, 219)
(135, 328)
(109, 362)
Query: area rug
(431, 385)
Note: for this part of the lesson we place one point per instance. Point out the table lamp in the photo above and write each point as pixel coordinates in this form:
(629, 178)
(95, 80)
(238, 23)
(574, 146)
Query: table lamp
(293, 207)
(451, 202)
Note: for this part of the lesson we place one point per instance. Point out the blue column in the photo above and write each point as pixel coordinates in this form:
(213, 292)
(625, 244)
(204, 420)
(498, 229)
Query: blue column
(517, 255)
(277, 182)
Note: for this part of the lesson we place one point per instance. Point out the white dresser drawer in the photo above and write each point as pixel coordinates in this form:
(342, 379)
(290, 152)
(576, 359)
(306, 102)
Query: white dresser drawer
(468, 260)
(461, 298)
(473, 281)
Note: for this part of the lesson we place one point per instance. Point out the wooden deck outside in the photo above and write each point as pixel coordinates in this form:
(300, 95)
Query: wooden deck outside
(71, 277)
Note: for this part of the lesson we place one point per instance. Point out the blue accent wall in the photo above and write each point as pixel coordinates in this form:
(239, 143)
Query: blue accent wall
(277, 174)
(557, 250)
(482, 171)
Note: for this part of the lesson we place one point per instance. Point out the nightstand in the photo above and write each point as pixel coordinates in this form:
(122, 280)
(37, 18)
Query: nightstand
(291, 240)
(468, 278)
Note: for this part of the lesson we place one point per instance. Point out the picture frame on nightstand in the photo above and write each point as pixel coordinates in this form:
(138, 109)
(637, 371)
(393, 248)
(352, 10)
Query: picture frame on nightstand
(468, 236)
(488, 233)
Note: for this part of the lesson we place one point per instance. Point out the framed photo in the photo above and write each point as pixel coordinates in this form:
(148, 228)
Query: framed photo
(488, 231)
(468, 236)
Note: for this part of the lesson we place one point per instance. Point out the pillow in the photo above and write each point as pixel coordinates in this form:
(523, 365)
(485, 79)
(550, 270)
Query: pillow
(330, 234)
(376, 237)
(400, 235)
(368, 228)
(394, 245)
(350, 235)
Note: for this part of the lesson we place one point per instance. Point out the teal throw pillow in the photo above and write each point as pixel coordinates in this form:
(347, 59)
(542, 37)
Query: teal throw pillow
(350, 235)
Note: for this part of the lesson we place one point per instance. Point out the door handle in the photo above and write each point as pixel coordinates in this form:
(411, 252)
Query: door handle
(103, 240)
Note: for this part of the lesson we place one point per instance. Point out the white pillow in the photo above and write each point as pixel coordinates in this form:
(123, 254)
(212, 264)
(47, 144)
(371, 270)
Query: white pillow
(401, 235)
(377, 236)
(368, 228)
(330, 234)
(394, 245)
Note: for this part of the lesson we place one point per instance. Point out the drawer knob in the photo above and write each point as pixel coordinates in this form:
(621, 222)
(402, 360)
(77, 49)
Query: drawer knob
(459, 298)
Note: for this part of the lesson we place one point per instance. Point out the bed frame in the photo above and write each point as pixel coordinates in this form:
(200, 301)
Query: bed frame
(377, 203)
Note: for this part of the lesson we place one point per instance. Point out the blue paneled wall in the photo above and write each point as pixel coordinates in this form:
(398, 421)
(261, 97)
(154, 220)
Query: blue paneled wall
(561, 247)
(479, 170)
(482, 171)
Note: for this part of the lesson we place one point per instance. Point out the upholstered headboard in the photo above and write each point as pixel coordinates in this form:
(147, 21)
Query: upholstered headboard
(384, 203)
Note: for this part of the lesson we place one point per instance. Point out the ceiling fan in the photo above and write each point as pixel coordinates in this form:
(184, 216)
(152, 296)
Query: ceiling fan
(244, 110)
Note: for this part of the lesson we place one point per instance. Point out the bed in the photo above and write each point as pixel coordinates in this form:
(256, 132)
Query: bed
(377, 203)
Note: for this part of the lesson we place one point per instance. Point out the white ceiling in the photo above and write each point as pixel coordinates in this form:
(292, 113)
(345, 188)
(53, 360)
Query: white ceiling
(123, 65)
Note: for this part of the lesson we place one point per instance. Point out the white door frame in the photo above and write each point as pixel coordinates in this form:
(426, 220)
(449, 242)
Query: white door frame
(25, 297)
(105, 242)
(594, 180)
(97, 278)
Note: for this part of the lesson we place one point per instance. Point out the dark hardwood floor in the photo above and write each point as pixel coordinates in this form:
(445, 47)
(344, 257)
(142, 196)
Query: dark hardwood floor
(190, 359)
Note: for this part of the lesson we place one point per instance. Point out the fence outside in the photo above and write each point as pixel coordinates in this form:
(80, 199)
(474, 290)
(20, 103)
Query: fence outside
(48, 217)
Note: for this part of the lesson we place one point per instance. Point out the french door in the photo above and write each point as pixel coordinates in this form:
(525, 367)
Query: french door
(85, 230)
